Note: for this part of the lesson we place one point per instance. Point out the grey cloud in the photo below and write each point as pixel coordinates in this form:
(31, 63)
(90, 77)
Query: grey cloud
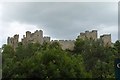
(62, 20)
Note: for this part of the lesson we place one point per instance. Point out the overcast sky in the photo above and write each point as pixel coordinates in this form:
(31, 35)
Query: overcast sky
(59, 20)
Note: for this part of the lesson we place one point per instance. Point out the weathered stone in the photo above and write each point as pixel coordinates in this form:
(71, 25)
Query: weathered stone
(37, 37)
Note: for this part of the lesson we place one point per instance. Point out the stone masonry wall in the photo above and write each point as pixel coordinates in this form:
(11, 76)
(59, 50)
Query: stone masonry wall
(65, 44)
(89, 35)
(13, 41)
(37, 37)
(106, 39)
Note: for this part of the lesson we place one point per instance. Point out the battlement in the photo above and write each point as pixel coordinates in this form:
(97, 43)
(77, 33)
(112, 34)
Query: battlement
(105, 35)
(37, 37)
(46, 39)
(89, 35)
(16, 36)
(67, 40)
(94, 30)
(65, 44)
(82, 34)
(86, 31)
(62, 40)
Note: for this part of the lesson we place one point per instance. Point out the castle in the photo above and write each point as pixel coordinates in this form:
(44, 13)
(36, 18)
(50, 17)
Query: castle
(37, 37)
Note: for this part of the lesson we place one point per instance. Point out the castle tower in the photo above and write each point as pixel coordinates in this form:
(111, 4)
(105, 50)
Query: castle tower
(37, 37)
(106, 39)
(41, 36)
(94, 34)
(15, 41)
(28, 36)
(9, 41)
(16, 37)
(87, 34)
(82, 36)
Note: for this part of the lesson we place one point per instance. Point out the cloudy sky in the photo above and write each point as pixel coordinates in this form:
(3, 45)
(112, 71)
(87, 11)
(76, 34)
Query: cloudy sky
(59, 20)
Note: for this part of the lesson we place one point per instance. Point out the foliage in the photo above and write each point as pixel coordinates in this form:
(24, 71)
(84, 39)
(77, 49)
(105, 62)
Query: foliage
(98, 59)
(89, 59)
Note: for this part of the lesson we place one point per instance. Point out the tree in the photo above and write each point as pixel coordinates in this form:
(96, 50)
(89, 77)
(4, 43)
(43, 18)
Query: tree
(117, 48)
(89, 59)
(79, 45)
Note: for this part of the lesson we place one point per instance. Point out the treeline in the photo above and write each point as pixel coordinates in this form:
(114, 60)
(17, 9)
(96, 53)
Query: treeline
(89, 59)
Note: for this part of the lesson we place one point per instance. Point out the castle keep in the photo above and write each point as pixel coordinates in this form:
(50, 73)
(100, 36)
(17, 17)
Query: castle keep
(37, 37)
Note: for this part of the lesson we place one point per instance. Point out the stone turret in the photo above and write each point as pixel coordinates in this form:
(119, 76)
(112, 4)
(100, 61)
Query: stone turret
(13, 41)
(94, 34)
(9, 40)
(106, 39)
(82, 35)
(38, 36)
(16, 38)
(28, 34)
(87, 34)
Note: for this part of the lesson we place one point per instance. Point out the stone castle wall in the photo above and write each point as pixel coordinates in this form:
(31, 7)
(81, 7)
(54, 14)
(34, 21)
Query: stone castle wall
(37, 37)
(106, 39)
(89, 35)
(13, 41)
(65, 44)
(46, 39)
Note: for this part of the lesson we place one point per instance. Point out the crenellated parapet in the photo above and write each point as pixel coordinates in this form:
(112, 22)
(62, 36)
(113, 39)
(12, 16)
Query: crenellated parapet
(46, 39)
(37, 37)
(105, 39)
(65, 44)
(89, 35)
